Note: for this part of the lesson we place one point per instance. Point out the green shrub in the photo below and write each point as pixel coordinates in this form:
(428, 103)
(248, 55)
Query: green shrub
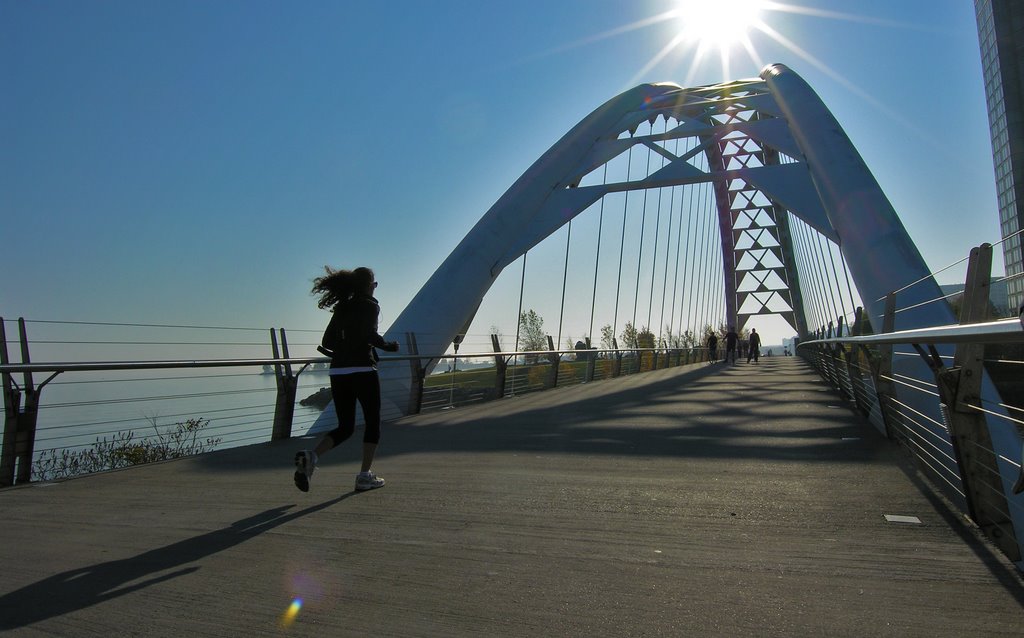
(124, 450)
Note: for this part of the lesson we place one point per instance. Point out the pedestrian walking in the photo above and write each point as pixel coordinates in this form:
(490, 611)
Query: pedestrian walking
(731, 340)
(755, 346)
(349, 340)
(712, 347)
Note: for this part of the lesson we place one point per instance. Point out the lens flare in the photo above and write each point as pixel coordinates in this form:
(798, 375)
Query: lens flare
(293, 610)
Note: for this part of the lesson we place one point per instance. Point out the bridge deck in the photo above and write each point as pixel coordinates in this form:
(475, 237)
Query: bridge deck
(717, 501)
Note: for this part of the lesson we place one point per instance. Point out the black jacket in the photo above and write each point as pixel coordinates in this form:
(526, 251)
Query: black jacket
(352, 333)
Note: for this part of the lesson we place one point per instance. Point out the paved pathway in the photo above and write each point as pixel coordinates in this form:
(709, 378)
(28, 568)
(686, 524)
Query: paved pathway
(719, 501)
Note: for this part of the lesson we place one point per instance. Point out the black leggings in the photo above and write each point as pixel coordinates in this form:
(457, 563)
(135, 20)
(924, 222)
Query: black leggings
(345, 389)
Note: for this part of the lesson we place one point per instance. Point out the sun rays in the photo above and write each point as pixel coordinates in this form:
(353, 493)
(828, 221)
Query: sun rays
(732, 35)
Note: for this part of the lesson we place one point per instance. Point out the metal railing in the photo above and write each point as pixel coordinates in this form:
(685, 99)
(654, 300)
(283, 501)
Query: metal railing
(253, 414)
(951, 395)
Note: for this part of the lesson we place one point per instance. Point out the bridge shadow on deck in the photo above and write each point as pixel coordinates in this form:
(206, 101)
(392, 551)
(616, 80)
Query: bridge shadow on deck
(672, 428)
(708, 411)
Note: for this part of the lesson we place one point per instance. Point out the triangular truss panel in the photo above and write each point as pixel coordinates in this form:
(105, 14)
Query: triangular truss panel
(733, 137)
(761, 253)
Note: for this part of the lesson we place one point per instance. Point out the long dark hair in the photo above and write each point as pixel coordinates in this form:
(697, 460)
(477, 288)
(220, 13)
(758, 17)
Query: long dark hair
(339, 285)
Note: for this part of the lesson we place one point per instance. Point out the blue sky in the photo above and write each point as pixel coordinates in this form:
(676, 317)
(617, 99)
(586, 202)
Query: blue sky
(198, 162)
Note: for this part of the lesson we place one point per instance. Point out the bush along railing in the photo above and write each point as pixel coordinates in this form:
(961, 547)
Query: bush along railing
(512, 373)
(974, 448)
(125, 449)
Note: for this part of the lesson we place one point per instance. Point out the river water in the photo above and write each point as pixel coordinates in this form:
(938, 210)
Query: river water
(77, 409)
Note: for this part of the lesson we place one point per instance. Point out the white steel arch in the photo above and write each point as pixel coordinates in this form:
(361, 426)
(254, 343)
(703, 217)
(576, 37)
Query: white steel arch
(773, 151)
(758, 170)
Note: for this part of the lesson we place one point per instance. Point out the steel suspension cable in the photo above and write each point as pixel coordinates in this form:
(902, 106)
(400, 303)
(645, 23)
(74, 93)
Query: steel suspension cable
(715, 249)
(819, 280)
(676, 294)
(704, 259)
(849, 288)
(679, 241)
(835, 273)
(519, 323)
(654, 260)
(720, 256)
(832, 294)
(622, 243)
(716, 230)
(640, 253)
(597, 257)
(701, 291)
(709, 224)
(668, 249)
(654, 268)
(814, 290)
(688, 264)
(519, 316)
(694, 280)
(565, 278)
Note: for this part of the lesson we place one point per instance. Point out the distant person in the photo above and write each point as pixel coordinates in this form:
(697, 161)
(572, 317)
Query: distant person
(754, 343)
(731, 340)
(712, 348)
(581, 350)
(349, 341)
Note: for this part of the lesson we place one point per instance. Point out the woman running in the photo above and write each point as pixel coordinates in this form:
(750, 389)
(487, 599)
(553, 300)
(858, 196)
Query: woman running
(349, 341)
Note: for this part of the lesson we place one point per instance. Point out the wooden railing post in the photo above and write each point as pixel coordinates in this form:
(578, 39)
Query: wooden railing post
(500, 367)
(882, 369)
(418, 374)
(19, 418)
(617, 365)
(960, 393)
(555, 360)
(12, 408)
(287, 383)
(591, 363)
(852, 369)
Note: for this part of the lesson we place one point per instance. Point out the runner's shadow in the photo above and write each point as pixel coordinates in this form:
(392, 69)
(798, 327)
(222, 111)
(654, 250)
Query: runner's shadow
(87, 586)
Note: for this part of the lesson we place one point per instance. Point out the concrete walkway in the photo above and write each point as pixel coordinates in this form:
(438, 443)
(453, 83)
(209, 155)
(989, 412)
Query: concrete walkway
(742, 501)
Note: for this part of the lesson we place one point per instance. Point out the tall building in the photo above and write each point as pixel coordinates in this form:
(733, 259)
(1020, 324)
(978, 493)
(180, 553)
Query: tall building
(1001, 35)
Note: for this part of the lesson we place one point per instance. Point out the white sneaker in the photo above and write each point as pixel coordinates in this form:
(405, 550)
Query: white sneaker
(368, 481)
(304, 467)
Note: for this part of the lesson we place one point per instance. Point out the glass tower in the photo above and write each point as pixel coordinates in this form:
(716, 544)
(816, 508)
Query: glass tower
(1001, 35)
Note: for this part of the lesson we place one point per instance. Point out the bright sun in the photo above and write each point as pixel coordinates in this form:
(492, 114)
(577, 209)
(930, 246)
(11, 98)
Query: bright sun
(718, 23)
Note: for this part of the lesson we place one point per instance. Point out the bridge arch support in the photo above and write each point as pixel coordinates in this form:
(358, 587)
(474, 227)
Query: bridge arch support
(776, 159)
(771, 150)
